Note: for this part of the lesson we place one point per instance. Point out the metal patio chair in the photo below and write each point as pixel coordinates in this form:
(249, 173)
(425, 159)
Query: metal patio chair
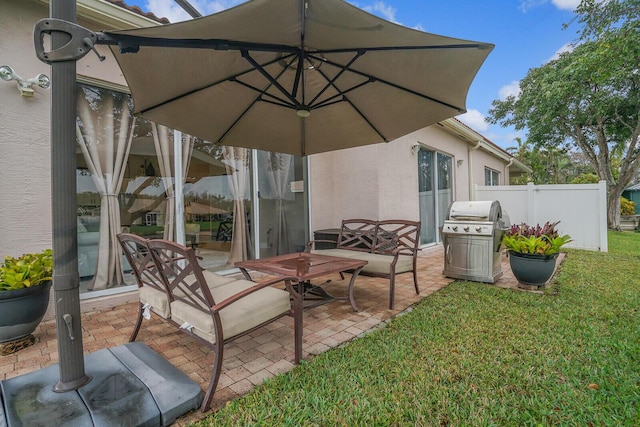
(219, 313)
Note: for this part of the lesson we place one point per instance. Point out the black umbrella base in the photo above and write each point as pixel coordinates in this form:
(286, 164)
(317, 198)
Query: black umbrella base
(130, 385)
(314, 295)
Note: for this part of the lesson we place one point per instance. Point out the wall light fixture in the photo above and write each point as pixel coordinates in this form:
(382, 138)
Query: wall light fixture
(24, 86)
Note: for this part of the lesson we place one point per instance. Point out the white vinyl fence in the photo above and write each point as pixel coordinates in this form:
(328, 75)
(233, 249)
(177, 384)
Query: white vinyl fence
(580, 208)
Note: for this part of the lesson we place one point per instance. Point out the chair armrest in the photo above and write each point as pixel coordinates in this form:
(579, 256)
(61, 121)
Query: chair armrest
(259, 285)
(406, 251)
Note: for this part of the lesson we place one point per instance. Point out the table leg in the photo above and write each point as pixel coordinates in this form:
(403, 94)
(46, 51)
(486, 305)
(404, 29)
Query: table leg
(245, 273)
(351, 283)
(297, 303)
(320, 296)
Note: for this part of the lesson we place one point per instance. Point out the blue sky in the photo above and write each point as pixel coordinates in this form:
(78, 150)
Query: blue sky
(527, 34)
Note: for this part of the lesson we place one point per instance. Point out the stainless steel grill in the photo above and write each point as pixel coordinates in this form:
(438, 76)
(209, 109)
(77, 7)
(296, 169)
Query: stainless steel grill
(472, 238)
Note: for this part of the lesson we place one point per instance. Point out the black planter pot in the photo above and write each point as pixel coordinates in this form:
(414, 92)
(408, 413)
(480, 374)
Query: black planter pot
(22, 310)
(530, 269)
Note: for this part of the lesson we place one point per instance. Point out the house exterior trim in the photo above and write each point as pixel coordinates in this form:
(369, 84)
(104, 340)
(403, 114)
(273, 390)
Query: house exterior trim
(111, 15)
(473, 138)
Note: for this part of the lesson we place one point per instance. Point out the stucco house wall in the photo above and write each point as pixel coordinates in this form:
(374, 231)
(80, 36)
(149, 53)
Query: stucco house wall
(483, 159)
(381, 181)
(25, 173)
(363, 182)
(437, 138)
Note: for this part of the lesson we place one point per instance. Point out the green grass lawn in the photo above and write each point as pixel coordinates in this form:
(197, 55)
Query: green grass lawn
(476, 355)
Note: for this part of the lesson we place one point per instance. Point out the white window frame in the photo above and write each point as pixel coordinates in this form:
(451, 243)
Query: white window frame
(494, 174)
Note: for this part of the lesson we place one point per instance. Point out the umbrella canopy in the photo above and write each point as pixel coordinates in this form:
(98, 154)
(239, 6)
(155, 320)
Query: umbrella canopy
(295, 76)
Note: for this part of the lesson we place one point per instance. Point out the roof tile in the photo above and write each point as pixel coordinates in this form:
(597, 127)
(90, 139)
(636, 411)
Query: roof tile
(136, 9)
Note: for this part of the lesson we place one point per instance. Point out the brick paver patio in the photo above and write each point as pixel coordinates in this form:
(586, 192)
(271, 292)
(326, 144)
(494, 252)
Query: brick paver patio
(249, 360)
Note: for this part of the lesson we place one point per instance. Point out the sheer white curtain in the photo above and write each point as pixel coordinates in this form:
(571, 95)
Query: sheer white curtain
(163, 143)
(104, 131)
(275, 186)
(236, 161)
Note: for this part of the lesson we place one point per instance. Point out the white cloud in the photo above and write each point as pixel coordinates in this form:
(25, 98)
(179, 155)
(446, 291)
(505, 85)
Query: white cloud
(512, 88)
(525, 5)
(566, 4)
(504, 137)
(207, 7)
(474, 119)
(382, 10)
(167, 9)
(565, 48)
(530, 4)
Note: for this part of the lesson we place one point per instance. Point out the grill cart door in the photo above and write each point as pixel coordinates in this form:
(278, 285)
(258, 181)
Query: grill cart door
(471, 236)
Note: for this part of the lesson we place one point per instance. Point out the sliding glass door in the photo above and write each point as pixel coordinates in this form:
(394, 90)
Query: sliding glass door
(237, 203)
(282, 203)
(435, 191)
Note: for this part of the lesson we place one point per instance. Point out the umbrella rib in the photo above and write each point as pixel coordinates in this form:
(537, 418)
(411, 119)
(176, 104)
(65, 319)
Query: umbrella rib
(226, 132)
(332, 100)
(296, 80)
(269, 77)
(262, 92)
(228, 79)
(384, 138)
(331, 82)
(396, 86)
(329, 102)
(346, 99)
(131, 44)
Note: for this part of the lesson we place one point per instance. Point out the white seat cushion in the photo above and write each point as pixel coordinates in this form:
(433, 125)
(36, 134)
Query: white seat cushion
(381, 264)
(377, 263)
(159, 301)
(214, 280)
(156, 299)
(342, 253)
(240, 316)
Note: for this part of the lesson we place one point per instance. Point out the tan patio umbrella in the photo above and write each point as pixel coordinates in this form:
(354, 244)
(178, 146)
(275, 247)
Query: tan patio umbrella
(295, 76)
(291, 76)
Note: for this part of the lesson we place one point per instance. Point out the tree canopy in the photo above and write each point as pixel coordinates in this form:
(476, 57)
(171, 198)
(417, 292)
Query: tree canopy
(589, 98)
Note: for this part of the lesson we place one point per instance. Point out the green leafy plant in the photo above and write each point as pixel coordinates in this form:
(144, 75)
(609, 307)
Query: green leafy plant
(541, 240)
(627, 207)
(27, 270)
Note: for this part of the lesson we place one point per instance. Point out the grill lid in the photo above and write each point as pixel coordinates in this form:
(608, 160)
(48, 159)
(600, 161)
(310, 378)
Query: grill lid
(475, 210)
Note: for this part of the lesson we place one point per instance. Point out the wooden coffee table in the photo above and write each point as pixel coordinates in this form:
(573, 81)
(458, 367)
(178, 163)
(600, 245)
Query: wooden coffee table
(305, 266)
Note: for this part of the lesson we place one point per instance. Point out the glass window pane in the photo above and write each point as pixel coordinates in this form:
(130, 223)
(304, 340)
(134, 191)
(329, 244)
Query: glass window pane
(106, 126)
(282, 203)
(425, 170)
(444, 171)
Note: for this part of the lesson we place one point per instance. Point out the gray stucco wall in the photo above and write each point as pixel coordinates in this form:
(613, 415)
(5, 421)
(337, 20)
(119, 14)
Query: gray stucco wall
(25, 199)
(25, 160)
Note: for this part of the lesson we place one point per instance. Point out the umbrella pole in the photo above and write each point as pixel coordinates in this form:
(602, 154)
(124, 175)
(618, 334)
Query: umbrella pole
(66, 280)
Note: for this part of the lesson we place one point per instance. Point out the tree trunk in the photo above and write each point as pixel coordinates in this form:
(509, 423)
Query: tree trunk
(613, 209)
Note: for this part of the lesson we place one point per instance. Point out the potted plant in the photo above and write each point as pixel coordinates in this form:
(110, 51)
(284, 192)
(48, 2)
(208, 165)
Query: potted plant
(533, 251)
(25, 282)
